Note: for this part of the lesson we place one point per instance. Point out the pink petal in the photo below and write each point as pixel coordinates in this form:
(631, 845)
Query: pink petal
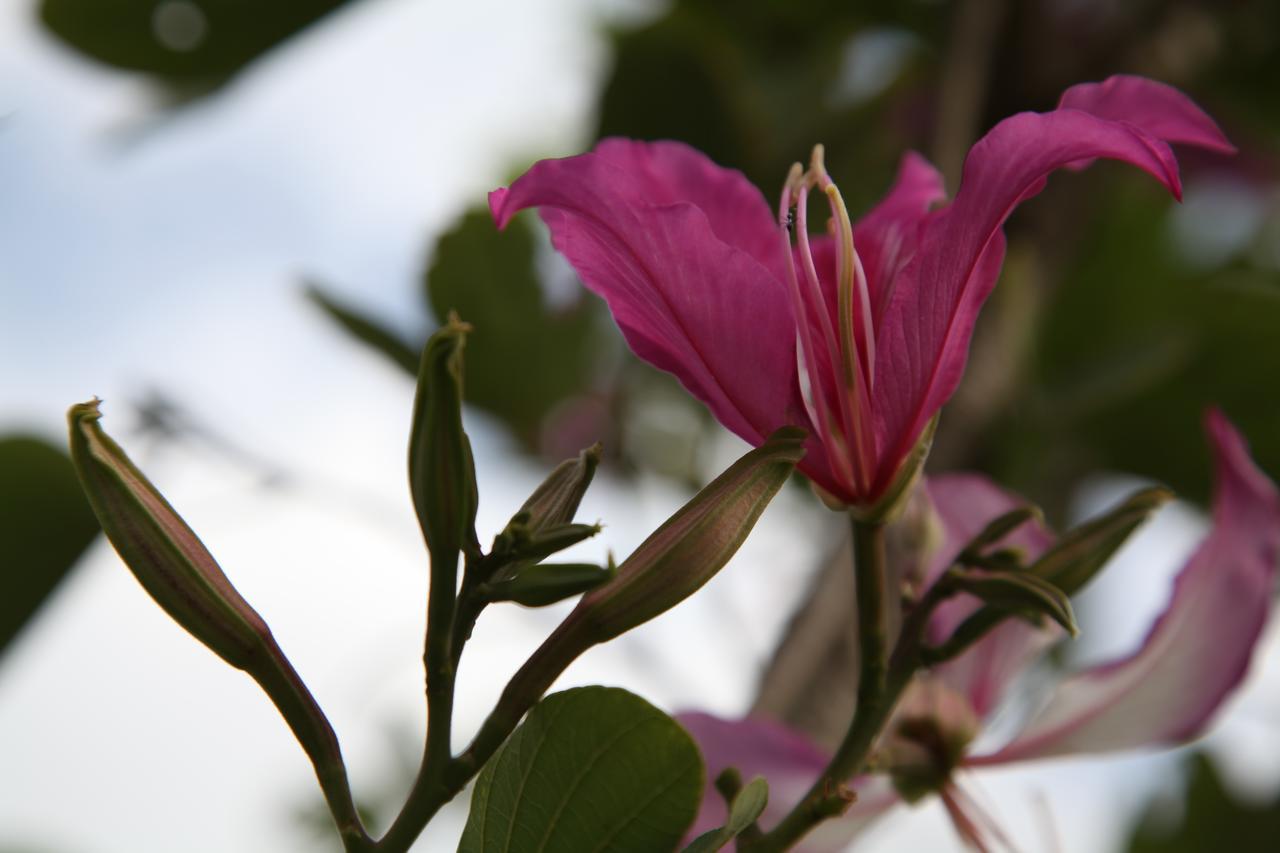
(789, 763)
(923, 339)
(679, 249)
(1198, 650)
(1159, 110)
(887, 236)
(964, 504)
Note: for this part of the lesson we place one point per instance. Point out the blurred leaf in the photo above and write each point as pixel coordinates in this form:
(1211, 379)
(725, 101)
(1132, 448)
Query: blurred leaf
(1134, 345)
(45, 524)
(746, 808)
(180, 41)
(1212, 820)
(593, 768)
(526, 358)
(367, 330)
(677, 79)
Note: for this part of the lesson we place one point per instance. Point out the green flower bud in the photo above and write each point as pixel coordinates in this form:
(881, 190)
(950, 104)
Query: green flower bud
(691, 546)
(555, 501)
(547, 583)
(163, 553)
(442, 474)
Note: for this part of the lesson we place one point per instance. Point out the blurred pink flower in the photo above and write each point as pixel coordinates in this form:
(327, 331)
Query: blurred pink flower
(705, 283)
(1195, 654)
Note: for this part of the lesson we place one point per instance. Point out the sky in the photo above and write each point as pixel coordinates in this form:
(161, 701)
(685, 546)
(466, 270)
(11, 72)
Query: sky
(140, 252)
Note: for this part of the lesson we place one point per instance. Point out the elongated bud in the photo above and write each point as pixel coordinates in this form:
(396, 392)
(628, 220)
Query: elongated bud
(695, 543)
(163, 553)
(555, 501)
(442, 474)
(547, 583)
(1016, 592)
(1082, 552)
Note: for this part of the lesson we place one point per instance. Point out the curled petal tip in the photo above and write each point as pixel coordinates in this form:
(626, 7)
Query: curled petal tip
(497, 207)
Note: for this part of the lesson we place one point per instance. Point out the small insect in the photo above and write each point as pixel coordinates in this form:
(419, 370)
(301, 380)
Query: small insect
(790, 222)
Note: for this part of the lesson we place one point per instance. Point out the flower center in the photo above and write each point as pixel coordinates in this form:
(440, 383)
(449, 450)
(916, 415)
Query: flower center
(837, 353)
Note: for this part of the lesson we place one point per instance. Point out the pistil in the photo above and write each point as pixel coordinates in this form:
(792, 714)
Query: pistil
(850, 340)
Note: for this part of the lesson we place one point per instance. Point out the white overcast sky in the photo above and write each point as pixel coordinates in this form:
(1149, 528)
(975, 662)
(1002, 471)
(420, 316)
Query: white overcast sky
(137, 256)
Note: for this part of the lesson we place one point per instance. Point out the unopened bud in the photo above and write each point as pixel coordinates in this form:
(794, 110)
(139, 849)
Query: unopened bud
(547, 583)
(442, 473)
(928, 737)
(163, 553)
(695, 543)
(556, 500)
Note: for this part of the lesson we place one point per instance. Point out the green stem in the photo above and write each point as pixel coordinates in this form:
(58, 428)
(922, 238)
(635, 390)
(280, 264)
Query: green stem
(286, 690)
(435, 787)
(880, 684)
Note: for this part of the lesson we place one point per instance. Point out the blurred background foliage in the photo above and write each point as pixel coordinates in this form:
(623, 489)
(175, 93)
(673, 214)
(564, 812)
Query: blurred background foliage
(1118, 319)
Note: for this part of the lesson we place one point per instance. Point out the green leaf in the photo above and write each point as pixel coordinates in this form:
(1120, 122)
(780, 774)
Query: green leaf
(527, 358)
(746, 809)
(590, 769)
(1134, 343)
(206, 40)
(1210, 816)
(45, 525)
(367, 330)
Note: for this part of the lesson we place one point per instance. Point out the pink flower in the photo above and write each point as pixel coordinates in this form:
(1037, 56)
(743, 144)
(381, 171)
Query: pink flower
(705, 283)
(1195, 654)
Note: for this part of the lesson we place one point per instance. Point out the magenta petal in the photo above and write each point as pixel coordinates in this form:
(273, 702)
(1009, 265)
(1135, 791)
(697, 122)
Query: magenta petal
(789, 763)
(1159, 110)
(886, 237)
(964, 504)
(1197, 651)
(923, 340)
(678, 248)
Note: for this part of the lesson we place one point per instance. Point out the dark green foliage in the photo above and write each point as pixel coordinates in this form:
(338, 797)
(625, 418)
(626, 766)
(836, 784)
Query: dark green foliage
(201, 41)
(45, 524)
(1213, 820)
(527, 357)
(594, 768)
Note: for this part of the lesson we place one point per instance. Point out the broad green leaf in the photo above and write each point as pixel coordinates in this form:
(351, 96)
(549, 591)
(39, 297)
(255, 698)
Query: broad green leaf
(179, 40)
(590, 769)
(45, 524)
